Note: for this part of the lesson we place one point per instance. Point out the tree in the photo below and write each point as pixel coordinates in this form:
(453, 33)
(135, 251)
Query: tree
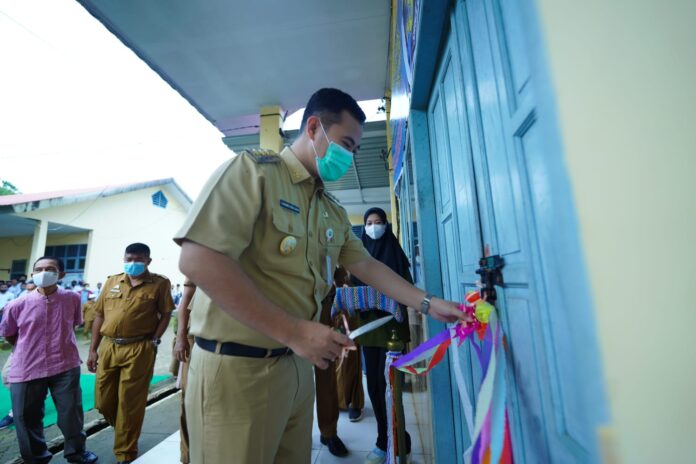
(7, 188)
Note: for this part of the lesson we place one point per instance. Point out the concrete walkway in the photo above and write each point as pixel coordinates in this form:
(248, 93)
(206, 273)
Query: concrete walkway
(159, 442)
(359, 437)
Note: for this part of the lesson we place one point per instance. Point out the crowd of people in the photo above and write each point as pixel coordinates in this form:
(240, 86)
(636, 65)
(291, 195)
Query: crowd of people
(263, 250)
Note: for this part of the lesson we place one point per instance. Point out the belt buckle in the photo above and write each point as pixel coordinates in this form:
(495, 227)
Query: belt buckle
(118, 341)
(269, 352)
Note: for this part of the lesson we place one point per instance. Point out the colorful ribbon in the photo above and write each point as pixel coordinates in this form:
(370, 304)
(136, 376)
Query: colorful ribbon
(389, 374)
(352, 299)
(490, 434)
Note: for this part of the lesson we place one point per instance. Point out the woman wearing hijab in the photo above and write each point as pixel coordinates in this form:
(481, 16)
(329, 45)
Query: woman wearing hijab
(380, 242)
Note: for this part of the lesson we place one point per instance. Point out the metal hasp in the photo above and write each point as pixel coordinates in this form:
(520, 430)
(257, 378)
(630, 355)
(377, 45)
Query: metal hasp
(491, 275)
(396, 345)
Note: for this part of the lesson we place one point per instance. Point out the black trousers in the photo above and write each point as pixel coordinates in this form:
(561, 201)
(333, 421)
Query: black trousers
(28, 400)
(375, 359)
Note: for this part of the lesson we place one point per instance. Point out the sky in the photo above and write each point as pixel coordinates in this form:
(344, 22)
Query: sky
(80, 109)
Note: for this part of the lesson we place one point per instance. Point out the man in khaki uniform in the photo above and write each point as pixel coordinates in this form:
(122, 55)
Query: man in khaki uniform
(182, 353)
(88, 315)
(131, 314)
(262, 242)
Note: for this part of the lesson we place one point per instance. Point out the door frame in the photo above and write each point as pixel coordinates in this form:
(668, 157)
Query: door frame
(572, 287)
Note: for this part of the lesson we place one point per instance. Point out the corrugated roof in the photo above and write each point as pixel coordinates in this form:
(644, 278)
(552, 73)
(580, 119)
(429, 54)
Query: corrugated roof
(370, 169)
(61, 197)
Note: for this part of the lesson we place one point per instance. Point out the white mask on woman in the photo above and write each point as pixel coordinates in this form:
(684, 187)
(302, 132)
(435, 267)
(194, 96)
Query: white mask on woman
(375, 231)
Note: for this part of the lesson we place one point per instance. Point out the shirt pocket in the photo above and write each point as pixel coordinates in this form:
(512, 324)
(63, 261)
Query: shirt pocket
(288, 223)
(112, 301)
(144, 302)
(331, 241)
(285, 242)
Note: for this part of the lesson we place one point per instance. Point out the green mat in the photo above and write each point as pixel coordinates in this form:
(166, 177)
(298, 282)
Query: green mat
(87, 382)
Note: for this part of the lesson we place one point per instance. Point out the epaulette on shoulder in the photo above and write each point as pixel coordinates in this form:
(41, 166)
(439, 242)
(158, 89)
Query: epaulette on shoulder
(261, 156)
(159, 276)
(332, 198)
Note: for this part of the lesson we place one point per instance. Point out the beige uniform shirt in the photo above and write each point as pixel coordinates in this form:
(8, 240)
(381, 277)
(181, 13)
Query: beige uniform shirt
(250, 206)
(133, 311)
(88, 311)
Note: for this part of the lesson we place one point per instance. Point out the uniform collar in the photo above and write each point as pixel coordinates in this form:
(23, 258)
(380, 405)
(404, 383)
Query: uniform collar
(298, 173)
(146, 278)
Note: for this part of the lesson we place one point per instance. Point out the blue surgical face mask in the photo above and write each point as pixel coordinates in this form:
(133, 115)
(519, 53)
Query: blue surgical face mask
(335, 162)
(134, 268)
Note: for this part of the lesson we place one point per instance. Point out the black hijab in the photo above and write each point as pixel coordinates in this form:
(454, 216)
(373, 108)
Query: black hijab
(386, 249)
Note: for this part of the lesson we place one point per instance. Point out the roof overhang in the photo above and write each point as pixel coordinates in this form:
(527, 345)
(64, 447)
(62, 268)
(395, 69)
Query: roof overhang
(228, 59)
(18, 226)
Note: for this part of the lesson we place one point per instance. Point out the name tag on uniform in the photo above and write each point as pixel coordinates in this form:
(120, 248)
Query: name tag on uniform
(115, 289)
(289, 206)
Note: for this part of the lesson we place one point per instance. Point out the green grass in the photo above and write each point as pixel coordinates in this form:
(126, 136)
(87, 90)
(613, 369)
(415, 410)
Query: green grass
(87, 382)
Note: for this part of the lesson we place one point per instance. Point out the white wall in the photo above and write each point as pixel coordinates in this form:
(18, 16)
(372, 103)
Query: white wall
(624, 74)
(116, 222)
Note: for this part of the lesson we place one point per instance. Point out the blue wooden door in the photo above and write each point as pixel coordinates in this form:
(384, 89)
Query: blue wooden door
(491, 189)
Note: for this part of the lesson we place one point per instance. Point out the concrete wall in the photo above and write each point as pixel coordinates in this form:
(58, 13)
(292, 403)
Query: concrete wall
(115, 222)
(624, 74)
(13, 248)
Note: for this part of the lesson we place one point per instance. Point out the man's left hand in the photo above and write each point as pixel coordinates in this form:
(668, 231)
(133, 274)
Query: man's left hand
(181, 349)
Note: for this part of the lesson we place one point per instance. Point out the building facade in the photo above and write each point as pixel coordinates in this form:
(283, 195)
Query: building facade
(90, 229)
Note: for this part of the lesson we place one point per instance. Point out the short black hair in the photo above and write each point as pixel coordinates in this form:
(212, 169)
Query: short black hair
(138, 249)
(328, 104)
(59, 262)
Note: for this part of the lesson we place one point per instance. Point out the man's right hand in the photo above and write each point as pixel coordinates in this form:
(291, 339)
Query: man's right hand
(317, 343)
(92, 361)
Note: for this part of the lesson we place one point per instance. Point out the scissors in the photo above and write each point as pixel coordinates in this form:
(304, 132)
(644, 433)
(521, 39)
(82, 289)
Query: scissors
(358, 332)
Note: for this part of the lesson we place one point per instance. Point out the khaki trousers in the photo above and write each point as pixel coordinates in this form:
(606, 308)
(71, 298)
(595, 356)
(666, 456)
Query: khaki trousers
(183, 427)
(249, 410)
(349, 382)
(123, 377)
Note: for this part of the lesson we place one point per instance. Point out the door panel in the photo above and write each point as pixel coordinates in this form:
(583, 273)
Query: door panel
(490, 188)
(458, 226)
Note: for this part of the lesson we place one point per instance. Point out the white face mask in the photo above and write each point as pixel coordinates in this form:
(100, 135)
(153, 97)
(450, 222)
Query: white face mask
(45, 278)
(375, 231)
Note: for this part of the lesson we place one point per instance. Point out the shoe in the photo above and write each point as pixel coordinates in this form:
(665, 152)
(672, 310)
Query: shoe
(354, 415)
(376, 456)
(85, 457)
(335, 445)
(6, 422)
(124, 462)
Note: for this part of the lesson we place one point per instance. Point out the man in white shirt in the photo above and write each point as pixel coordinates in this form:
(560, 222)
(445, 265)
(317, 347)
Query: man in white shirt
(5, 297)
(28, 287)
(98, 290)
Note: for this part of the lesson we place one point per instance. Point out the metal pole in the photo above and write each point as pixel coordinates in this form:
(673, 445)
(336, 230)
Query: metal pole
(397, 346)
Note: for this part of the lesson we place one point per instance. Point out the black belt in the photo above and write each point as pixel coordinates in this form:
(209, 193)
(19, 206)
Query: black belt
(127, 341)
(237, 349)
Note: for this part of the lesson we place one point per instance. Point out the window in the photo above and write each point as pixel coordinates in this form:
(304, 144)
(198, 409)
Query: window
(74, 256)
(409, 219)
(158, 199)
(19, 266)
